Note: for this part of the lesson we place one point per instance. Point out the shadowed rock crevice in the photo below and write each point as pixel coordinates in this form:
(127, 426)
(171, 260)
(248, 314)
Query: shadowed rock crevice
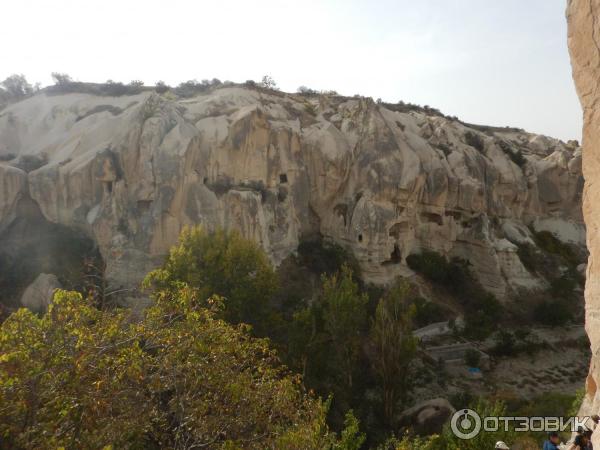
(31, 245)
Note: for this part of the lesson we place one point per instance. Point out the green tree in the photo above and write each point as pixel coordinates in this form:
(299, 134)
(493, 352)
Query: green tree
(394, 346)
(61, 79)
(17, 87)
(472, 358)
(351, 437)
(344, 312)
(79, 377)
(226, 264)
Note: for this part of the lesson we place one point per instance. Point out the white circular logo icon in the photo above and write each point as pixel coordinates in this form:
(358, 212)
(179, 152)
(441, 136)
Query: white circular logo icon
(465, 424)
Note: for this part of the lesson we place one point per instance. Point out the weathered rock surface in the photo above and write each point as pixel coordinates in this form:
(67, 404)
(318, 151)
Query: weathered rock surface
(427, 417)
(381, 180)
(583, 17)
(38, 295)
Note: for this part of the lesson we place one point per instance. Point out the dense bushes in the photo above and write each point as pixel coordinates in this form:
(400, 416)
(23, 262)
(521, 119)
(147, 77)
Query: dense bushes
(509, 343)
(474, 140)
(553, 312)
(15, 88)
(549, 243)
(110, 88)
(193, 87)
(327, 257)
(557, 262)
(435, 267)
(529, 257)
(79, 377)
(482, 311)
(427, 312)
(515, 155)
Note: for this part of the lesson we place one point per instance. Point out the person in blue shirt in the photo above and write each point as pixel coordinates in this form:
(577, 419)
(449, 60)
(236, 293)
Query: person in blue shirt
(552, 442)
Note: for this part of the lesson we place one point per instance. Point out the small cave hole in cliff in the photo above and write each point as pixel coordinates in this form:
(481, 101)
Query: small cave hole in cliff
(432, 218)
(283, 178)
(341, 210)
(360, 237)
(395, 257)
(32, 245)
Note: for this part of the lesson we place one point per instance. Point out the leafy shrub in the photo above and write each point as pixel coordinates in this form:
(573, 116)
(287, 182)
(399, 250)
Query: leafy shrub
(435, 267)
(427, 312)
(505, 344)
(322, 256)
(529, 256)
(16, 87)
(518, 158)
(192, 87)
(563, 286)
(483, 312)
(474, 140)
(307, 91)
(405, 107)
(515, 155)
(482, 309)
(551, 244)
(63, 84)
(161, 87)
(310, 109)
(553, 312)
(116, 88)
(576, 403)
(268, 82)
(61, 79)
(472, 358)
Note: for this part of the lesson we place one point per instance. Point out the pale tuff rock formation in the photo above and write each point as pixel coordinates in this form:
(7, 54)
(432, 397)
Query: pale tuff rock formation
(583, 17)
(382, 180)
(38, 295)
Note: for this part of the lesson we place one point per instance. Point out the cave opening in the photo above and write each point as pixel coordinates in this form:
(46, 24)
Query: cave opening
(395, 256)
(31, 245)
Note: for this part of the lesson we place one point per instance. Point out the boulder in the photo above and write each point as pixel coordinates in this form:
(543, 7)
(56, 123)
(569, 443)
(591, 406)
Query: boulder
(427, 417)
(38, 295)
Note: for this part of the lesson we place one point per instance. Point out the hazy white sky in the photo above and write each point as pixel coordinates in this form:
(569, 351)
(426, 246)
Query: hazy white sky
(485, 61)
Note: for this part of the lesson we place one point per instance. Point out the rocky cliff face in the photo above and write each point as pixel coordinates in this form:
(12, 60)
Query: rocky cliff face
(583, 17)
(382, 180)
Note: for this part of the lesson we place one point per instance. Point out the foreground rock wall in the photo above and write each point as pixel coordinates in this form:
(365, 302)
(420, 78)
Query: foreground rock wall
(382, 180)
(583, 17)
